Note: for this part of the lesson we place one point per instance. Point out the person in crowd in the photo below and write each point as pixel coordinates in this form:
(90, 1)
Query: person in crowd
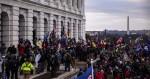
(14, 67)
(13, 50)
(73, 55)
(7, 66)
(1, 67)
(21, 49)
(67, 61)
(9, 49)
(37, 59)
(42, 61)
(2, 48)
(26, 67)
(48, 57)
(54, 65)
(80, 72)
(100, 75)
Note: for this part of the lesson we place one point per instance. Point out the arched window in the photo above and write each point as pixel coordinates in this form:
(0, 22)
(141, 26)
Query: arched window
(4, 30)
(22, 29)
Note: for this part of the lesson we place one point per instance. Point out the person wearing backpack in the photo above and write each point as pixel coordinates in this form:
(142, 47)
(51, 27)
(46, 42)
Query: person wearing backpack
(67, 61)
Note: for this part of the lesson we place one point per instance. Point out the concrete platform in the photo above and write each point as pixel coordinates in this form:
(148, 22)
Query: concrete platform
(67, 75)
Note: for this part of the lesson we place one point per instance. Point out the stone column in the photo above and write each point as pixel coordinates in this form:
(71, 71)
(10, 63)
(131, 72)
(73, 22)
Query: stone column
(58, 3)
(79, 29)
(42, 1)
(82, 7)
(51, 22)
(66, 24)
(76, 30)
(52, 3)
(70, 3)
(71, 28)
(29, 23)
(83, 29)
(40, 31)
(0, 20)
(79, 4)
(75, 4)
(14, 26)
(65, 1)
(58, 27)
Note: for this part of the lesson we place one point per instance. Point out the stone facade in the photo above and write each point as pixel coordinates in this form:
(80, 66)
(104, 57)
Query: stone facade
(19, 18)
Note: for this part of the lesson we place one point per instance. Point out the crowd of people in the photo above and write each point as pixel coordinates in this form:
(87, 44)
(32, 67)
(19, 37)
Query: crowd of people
(115, 63)
(27, 58)
(123, 61)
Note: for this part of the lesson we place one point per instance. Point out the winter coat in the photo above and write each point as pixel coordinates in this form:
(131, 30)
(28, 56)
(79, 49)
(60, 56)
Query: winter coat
(100, 76)
(14, 64)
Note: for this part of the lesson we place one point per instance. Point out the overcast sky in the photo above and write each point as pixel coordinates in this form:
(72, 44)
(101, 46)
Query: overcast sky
(112, 14)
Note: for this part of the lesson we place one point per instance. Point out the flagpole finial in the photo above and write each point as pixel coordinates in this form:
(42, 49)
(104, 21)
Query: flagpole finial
(91, 61)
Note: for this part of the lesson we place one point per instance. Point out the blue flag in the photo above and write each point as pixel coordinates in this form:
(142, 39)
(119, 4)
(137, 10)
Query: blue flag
(138, 48)
(87, 74)
(63, 39)
(46, 36)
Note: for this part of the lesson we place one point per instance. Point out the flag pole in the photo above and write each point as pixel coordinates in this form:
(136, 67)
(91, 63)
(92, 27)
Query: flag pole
(92, 68)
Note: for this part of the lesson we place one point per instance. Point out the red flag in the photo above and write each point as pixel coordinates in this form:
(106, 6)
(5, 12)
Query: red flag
(119, 40)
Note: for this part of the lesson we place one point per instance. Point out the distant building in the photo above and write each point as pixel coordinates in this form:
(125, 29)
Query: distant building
(148, 34)
(128, 26)
(121, 33)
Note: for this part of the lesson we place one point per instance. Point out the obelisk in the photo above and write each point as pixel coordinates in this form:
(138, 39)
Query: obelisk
(128, 29)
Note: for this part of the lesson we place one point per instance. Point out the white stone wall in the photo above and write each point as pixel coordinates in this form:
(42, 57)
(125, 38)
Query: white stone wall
(71, 11)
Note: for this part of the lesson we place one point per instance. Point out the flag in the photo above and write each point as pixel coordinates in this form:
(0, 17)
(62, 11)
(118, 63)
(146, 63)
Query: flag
(63, 39)
(63, 31)
(53, 32)
(119, 40)
(38, 44)
(67, 35)
(138, 48)
(46, 36)
(87, 74)
(96, 38)
(93, 44)
(59, 47)
(27, 43)
(147, 49)
(6, 77)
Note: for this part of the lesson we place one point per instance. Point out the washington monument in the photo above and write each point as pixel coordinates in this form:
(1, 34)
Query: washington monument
(128, 29)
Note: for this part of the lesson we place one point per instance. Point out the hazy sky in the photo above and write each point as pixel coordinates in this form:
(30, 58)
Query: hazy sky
(112, 14)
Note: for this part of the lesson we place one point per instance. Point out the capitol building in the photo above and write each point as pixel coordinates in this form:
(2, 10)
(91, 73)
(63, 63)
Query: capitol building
(24, 18)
